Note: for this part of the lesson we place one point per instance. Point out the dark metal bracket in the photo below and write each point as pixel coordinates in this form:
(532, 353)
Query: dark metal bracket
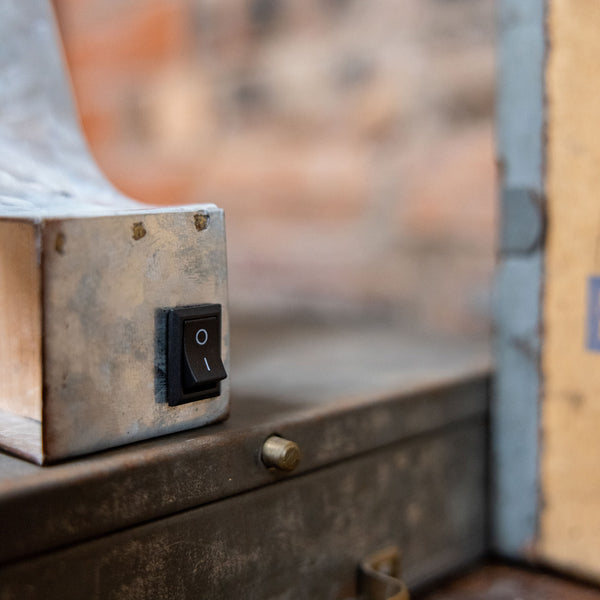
(379, 576)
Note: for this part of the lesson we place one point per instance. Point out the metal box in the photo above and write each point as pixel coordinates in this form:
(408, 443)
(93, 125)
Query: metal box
(85, 272)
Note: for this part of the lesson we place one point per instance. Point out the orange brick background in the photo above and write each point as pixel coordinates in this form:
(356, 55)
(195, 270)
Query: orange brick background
(350, 143)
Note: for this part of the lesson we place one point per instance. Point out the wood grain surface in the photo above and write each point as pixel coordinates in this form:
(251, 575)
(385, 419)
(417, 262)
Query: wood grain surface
(569, 524)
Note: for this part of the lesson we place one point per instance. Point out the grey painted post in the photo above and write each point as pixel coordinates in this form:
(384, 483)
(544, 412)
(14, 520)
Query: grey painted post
(515, 409)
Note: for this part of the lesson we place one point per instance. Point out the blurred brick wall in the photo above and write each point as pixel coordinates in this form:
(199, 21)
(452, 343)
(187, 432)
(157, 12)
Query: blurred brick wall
(350, 142)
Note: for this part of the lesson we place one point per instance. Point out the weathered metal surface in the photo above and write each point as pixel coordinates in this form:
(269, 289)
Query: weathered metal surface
(299, 539)
(106, 266)
(45, 508)
(515, 412)
(45, 166)
(104, 355)
(103, 341)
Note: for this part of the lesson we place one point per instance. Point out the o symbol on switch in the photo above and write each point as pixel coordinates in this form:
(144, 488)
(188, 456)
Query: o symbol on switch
(199, 334)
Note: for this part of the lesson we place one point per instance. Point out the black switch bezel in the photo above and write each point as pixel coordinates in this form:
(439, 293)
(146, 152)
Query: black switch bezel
(176, 318)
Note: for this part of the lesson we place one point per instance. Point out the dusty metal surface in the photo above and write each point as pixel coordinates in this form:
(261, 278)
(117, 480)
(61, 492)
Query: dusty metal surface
(104, 350)
(45, 508)
(299, 539)
(105, 363)
(314, 362)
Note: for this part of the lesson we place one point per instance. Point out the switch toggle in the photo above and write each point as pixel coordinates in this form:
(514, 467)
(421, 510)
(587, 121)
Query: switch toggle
(194, 365)
(202, 353)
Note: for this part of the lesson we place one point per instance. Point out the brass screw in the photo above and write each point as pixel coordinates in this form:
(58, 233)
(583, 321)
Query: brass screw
(280, 453)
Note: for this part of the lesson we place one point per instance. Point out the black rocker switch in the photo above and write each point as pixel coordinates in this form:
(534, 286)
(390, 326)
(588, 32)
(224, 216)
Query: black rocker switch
(194, 360)
(202, 363)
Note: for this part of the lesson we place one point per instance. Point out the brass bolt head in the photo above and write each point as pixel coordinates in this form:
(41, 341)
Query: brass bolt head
(281, 454)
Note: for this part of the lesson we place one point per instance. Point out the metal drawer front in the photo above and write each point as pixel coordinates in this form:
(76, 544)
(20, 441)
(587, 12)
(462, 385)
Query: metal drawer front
(298, 539)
